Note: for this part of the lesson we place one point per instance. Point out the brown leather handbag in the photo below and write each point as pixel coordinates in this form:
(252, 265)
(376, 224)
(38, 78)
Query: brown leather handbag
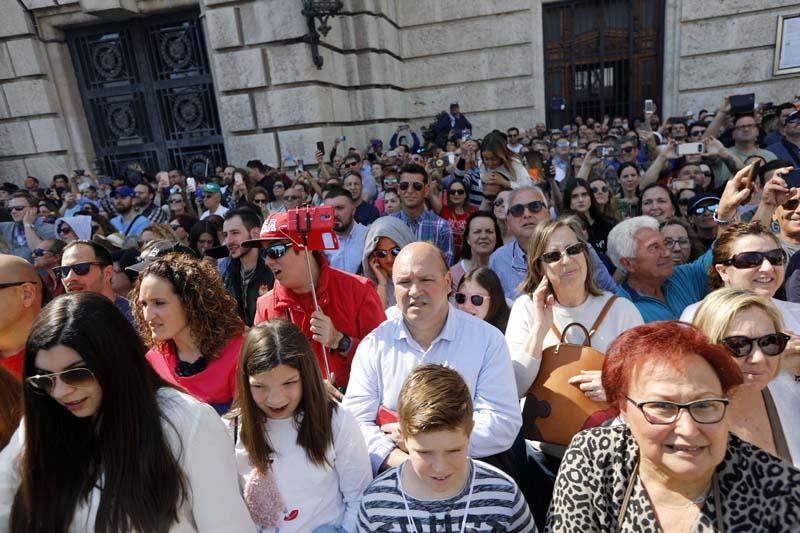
(555, 410)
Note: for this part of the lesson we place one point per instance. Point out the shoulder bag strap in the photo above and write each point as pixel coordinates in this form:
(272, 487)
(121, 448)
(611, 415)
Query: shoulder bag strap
(131, 223)
(781, 446)
(602, 315)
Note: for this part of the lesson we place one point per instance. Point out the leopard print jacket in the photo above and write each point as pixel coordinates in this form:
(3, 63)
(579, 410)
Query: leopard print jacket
(759, 492)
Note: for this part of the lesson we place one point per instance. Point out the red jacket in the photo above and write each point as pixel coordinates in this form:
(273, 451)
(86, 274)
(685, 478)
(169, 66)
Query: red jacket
(350, 301)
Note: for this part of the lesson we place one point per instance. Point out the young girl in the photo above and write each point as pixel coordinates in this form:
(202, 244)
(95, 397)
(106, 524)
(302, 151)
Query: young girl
(106, 445)
(291, 438)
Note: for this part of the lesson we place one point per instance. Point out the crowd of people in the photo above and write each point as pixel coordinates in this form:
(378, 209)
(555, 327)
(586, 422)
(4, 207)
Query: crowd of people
(176, 355)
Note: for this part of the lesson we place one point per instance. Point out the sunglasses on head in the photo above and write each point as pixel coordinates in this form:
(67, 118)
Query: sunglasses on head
(601, 188)
(74, 377)
(278, 250)
(81, 269)
(517, 210)
(776, 257)
(476, 299)
(770, 344)
(705, 209)
(383, 254)
(554, 257)
(417, 186)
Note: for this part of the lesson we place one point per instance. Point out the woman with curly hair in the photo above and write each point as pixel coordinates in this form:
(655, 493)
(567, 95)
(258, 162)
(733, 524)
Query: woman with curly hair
(186, 317)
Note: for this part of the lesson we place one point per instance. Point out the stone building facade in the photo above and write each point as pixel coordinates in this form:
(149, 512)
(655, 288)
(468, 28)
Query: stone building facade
(385, 62)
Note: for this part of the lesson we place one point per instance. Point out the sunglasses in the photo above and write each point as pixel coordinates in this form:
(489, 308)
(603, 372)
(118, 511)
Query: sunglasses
(15, 284)
(276, 251)
(176, 201)
(39, 252)
(259, 200)
(628, 149)
(705, 209)
(290, 198)
(553, 257)
(476, 299)
(18, 207)
(776, 257)
(770, 344)
(383, 254)
(517, 210)
(456, 192)
(81, 269)
(602, 188)
(80, 377)
(174, 226)
(64, 230)
(390, 181)
(792, 204)
(417, 186)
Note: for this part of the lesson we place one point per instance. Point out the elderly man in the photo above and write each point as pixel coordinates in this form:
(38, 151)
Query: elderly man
(429, 330)
(26, 231)
(527, 207)
(349, 307)
(88, 266)
(658, 289)
(212, 201)
(21, 294)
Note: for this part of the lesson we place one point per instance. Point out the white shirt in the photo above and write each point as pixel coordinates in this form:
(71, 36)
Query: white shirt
(315, 495)
(214, 503)
(474, 348)
(221, 210)
(351, 249)
(622, 315)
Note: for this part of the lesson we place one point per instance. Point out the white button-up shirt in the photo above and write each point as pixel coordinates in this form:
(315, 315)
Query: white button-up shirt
(476, 349)
(351, 249)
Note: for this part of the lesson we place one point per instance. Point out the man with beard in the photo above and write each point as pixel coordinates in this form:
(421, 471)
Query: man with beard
(128, 221)
(88, 266)
(143, 203)
(351, 234)
(247, 277)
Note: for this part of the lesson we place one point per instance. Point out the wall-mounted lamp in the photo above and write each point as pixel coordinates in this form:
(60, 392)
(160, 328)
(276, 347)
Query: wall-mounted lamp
(322, 10)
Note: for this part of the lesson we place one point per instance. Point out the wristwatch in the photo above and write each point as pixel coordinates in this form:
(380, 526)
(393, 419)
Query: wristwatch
(344, 345)
(31, 226)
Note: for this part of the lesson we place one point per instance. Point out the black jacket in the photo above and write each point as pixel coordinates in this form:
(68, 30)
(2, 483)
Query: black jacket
(260, 282)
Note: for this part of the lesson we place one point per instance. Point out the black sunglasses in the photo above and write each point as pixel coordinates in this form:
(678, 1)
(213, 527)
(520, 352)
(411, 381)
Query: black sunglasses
(15, 284)
(81, 269)
(175, 201)
(553, 257)
(17, 207)
(276, 251)
(517, 210)
(476, 299)
(771, 344)
(259, 201)
(39, 252)
(602, 188)
(382, 254)
(456, 192)
(628, 149)
(792, 204)
(417, 186)
(776, 257)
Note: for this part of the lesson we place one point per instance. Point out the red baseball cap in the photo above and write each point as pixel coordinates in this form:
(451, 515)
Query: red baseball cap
(275, 227)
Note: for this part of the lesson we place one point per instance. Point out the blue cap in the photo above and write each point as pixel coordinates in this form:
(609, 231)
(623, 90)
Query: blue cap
(124, 191)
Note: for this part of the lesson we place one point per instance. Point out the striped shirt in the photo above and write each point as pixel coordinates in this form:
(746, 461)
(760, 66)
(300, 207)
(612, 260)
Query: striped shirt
(496, 505)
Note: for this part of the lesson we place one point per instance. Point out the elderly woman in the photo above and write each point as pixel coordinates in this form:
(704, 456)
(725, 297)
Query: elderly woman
(560, 289)
(183, 313)
(764, 411)
(673, 466)
(384, 240)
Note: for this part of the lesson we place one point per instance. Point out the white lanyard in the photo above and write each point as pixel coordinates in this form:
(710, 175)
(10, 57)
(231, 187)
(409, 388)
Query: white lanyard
(466, 508)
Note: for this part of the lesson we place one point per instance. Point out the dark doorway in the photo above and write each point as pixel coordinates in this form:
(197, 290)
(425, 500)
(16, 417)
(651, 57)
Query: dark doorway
(602, 57)
(148, 94)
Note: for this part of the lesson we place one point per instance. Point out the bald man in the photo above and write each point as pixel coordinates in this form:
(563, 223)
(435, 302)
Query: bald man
(21, 297)
(429, 330)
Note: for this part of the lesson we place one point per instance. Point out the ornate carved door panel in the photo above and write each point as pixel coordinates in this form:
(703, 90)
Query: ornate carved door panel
(148, 94)
(602, 56)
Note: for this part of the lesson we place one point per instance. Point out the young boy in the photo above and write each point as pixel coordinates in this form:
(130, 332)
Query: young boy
(440, 488)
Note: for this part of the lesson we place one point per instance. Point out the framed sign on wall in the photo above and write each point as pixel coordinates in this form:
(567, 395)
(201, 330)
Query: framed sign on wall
(787, 45)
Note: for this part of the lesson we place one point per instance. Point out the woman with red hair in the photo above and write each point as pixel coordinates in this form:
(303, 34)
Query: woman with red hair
(673, 466)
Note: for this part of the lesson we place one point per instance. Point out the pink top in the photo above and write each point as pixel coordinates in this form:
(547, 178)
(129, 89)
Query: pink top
(214, 385)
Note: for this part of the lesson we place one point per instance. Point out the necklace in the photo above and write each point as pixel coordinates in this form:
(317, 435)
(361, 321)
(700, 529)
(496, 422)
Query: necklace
(466, 507)
(184, 369)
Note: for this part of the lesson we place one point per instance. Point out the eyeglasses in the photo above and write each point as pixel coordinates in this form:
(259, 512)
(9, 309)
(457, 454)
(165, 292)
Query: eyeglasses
(81, 269)
(553, 257)
(80, 377)
(517, 210)
(776, 257)
(476, 299)
(456, 192)
(662, 412)
(15, 284)
(602, 188)
(669, 242)
(17, 207)
(705, 209)
(278, 250)
(791, 205)
(383, 254)
(771, 344)
(417, 186)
